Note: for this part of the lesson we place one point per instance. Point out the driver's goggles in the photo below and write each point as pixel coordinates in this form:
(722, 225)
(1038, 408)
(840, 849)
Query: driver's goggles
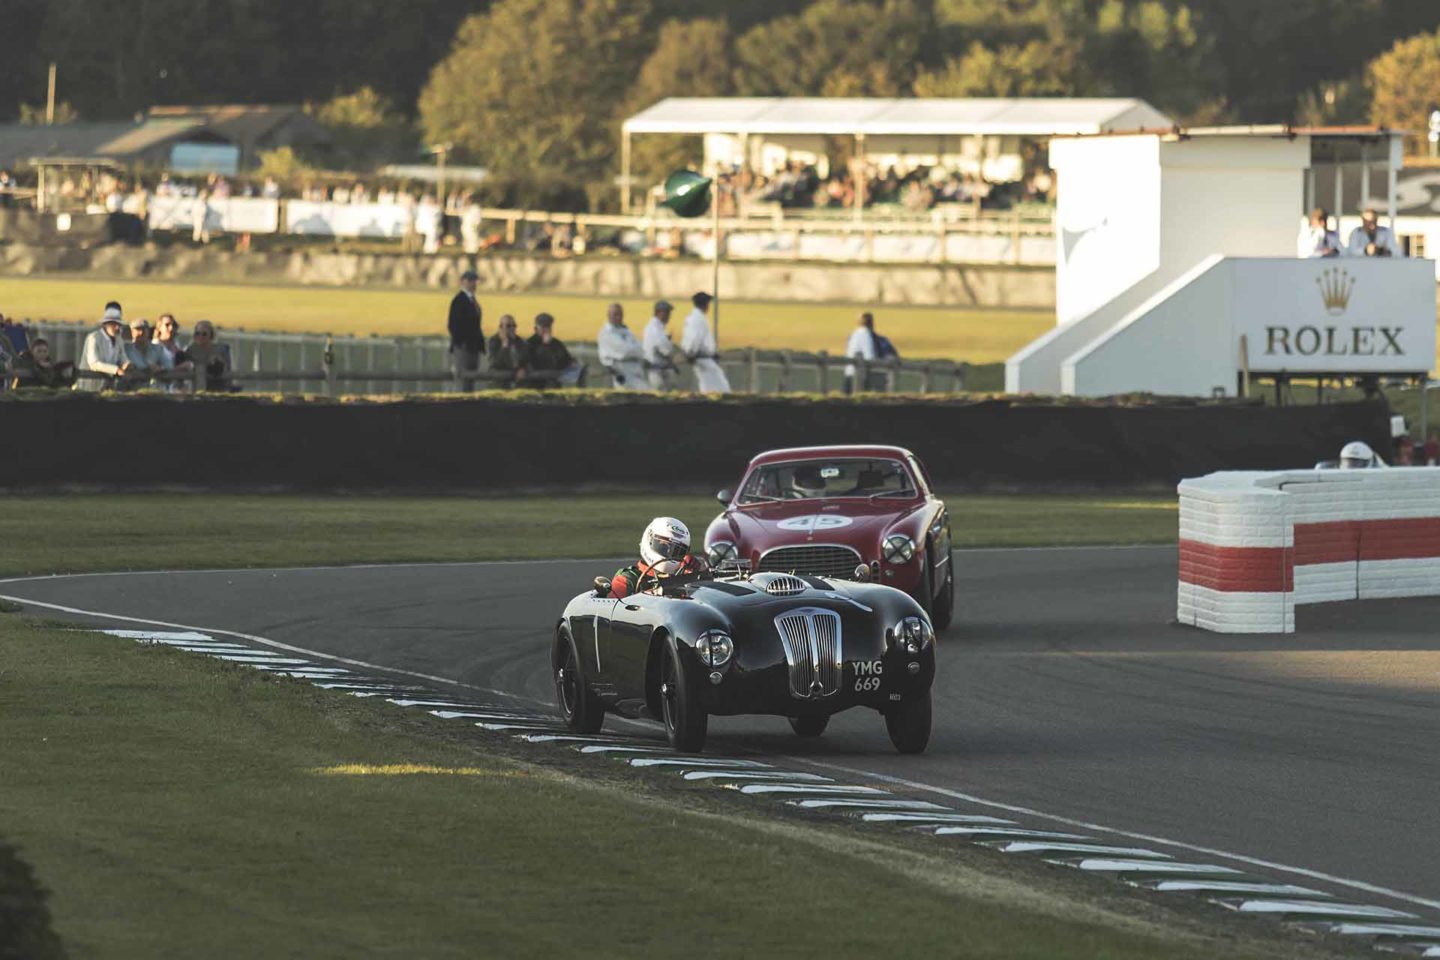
(668, 549)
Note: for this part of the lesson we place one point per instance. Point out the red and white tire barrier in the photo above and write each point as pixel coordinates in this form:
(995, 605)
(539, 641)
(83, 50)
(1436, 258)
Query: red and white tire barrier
(1253, 545)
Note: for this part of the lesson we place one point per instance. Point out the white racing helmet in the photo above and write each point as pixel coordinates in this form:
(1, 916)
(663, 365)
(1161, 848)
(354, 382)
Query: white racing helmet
(664, 544)
(1356, 455)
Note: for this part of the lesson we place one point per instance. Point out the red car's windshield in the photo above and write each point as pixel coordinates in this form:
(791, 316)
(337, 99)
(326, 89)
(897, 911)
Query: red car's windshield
(823, 479)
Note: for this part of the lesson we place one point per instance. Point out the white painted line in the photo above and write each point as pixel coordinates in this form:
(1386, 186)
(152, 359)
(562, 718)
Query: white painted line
(866, 804)
(962, 551)
(1298, 907)
(1128, 834)
(698, 763)
(276, 644)
(761, 789)
(898, 781)
(756, 775)
(454, 704)
(485, 715)
(314, 673)
(513, 726)
(259, 659)
(161, 636)
(1099, 850)
(1107, 865)
(1014, 833)
(623, 748)
(1432, 951)
(1228, 886)
(1383, 930)
(568, 738)
(908, 818)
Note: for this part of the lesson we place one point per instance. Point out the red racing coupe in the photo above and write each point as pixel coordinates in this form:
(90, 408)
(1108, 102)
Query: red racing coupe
(826, 511)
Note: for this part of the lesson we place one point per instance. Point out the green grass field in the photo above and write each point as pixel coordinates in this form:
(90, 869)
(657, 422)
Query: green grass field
(176, 806)
(976, 336)
(46, 534)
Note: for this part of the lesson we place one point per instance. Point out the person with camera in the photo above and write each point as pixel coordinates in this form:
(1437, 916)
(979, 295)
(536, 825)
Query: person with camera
(507, 352)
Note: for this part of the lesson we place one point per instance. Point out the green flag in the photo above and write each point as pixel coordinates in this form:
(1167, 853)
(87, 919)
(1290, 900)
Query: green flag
(687, 193)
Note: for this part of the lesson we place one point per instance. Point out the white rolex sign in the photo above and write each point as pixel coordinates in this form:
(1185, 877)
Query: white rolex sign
(1336, 315)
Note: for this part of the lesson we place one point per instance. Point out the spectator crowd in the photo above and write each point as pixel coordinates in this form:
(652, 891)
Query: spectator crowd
(119, 355)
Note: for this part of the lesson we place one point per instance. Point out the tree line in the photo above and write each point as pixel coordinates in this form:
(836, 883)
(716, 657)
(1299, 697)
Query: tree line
(535, 89)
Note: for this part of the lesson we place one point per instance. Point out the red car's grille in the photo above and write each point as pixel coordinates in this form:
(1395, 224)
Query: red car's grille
(814, 561)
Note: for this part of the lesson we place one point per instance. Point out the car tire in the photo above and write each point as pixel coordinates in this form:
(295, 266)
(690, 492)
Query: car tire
(579, 707)
(908, 724)
(944, 612)
(809, 726)
(685, 720)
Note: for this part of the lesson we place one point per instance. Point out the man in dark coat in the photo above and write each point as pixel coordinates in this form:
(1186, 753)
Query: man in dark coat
(467, 341)
(546, 352)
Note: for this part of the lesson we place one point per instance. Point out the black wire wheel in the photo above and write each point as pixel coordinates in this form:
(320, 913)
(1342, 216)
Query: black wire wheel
(581, 709)
(685, 720)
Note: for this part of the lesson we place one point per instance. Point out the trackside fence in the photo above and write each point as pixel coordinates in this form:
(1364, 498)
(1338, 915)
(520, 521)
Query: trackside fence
(268, 362)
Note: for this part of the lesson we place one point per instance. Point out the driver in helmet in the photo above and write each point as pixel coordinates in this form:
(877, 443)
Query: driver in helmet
(1357, 455)
(664, 552)
(806, 483)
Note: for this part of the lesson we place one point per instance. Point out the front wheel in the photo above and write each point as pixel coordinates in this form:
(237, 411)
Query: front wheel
(908, 724)
(581, 709)
(809, 726)
(685, 719)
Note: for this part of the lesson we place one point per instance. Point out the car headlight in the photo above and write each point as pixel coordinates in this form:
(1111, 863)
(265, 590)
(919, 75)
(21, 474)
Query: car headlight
(898, 548)
(715, 648)
(913, 633)
(721, 551)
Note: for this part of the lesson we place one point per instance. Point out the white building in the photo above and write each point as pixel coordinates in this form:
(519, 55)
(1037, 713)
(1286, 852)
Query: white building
(1176, 268)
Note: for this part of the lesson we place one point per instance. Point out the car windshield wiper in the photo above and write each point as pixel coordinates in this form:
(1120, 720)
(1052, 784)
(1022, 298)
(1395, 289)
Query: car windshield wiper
(891, 493)
(761, 498)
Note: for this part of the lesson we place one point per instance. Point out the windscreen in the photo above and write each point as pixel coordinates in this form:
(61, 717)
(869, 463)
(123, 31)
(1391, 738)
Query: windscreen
(821, 479)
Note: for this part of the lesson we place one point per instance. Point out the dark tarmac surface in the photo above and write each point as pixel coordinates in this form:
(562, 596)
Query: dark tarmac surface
(1063, 688)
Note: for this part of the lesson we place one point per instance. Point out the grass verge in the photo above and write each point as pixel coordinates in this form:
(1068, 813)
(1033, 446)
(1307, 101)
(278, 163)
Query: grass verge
(181, 807)
(977, 336)
(72, 534)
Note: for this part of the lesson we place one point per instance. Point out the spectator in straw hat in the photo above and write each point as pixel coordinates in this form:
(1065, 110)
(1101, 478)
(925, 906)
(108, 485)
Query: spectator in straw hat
(104, 353)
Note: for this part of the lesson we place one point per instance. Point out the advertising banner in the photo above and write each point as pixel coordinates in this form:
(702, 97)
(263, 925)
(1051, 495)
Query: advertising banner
(230, 215)
(1336, 315)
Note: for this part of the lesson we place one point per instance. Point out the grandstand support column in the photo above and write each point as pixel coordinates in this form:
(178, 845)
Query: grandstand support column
(625, 171)
(1397, 160)
(715, 264)
(861, 185)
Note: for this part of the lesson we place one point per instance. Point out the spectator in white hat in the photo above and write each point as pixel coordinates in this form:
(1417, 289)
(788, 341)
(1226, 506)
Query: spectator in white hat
(104, 352)
(147, 358)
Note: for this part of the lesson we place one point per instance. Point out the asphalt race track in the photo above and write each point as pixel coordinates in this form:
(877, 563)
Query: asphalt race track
(1063, 689)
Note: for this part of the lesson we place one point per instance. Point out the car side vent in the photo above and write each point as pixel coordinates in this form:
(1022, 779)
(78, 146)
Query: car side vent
(785, 586)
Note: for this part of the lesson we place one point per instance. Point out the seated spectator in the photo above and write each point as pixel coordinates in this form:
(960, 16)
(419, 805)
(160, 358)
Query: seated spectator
(103, 354)
(36, 368)
(14, 338)
(1370, 239)
(210, 356)
(506, 351)
(148, 360)
(1317, 239)
(548, 353)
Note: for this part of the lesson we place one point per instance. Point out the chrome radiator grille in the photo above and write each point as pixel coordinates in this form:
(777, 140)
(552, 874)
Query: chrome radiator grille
(811, 637)
(815, 561)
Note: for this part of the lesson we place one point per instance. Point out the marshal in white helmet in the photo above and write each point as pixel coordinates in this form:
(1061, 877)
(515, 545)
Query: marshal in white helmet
(664, 552)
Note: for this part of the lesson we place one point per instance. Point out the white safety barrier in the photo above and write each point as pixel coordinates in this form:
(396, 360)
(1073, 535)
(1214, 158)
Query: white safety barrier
(1253, 545)
(228, 214)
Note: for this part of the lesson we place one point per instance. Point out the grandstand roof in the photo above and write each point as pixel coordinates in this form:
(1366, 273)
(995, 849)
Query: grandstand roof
(913, 116)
